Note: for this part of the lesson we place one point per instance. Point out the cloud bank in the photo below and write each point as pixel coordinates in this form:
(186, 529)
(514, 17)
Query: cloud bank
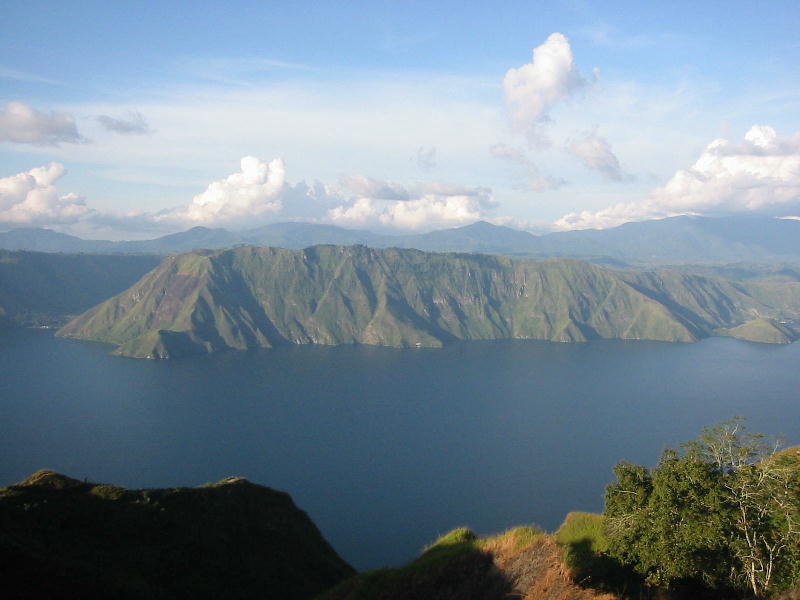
(25, 125)
(256, 195)
(428, 207)
(760, 174)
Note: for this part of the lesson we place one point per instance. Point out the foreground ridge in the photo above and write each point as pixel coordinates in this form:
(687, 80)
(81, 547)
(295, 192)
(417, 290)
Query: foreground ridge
(522, 563)
(65, 538)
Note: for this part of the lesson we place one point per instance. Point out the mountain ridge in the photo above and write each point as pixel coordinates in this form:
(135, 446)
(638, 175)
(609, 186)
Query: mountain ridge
(674, 240)
(251, 297)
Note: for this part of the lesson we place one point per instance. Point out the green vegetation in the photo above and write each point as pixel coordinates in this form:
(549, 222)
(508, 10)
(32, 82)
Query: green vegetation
(582, 528)
(585, 548)
(250, 297)
(62, 538)
(722, 514)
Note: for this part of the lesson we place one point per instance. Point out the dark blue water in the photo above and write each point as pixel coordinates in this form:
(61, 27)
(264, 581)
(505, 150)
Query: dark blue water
(385, 448)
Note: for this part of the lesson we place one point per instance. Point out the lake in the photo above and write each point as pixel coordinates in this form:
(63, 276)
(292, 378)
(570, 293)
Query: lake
(385, 448)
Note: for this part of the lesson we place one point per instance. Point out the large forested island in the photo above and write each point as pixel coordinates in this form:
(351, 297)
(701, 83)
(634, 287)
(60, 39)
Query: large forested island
(249, 297)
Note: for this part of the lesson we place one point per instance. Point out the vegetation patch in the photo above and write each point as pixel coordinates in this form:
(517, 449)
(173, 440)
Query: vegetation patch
(720, 515)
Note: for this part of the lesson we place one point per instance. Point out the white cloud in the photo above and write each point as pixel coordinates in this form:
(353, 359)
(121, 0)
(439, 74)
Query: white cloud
(360, 213)
(760, 174)
(596, 153)
(253, 192)
(532, 89)
(433, 211)
(133, 123)
(31, 198)
(25, 125)
(256, 195)
(435, 205)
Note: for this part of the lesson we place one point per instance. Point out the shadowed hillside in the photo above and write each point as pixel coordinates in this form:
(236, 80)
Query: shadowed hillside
(46, 289)
(62, 538)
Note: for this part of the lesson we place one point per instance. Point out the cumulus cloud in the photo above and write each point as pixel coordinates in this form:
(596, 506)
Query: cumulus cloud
(133, 123)
(534, 88)
(596, 153)
(536, 181)
(760, 174)
(255, 195)
(426, 158)
(433, 205)
(31, 198)
(25, 125)
(253, 192)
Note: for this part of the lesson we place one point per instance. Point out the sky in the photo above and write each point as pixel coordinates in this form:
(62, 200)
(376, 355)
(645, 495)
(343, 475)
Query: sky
(130, 120)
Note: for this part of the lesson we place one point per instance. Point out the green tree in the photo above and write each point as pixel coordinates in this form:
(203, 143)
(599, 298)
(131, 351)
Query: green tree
(725, 511)
(762, 488)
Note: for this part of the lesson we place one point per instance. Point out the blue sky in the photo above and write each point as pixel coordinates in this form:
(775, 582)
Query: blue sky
(134, 119)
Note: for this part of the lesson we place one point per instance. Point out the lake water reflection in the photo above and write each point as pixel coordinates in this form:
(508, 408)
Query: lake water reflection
(385, 448)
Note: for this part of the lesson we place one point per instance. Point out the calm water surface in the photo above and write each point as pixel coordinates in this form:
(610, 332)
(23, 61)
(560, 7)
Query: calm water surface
(385, 448)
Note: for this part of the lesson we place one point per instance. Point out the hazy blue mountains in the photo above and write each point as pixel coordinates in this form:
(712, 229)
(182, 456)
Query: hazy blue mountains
(677, 240)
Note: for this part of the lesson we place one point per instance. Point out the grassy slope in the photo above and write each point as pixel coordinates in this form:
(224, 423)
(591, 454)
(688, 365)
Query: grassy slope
(520, 563)
(257, 297)
(68, 539)
(766, 331)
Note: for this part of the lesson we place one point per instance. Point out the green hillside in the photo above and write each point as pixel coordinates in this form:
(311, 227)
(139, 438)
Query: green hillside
(250, 297)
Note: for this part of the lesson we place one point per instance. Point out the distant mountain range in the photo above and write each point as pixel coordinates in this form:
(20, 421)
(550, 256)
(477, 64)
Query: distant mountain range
(251, 297)
(672, 241)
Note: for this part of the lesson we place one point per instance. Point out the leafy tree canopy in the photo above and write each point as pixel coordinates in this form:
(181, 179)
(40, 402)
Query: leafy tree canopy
(723, 511)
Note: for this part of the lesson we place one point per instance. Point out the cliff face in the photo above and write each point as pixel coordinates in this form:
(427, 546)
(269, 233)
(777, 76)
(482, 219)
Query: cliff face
(250, 297)
(62, 538)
